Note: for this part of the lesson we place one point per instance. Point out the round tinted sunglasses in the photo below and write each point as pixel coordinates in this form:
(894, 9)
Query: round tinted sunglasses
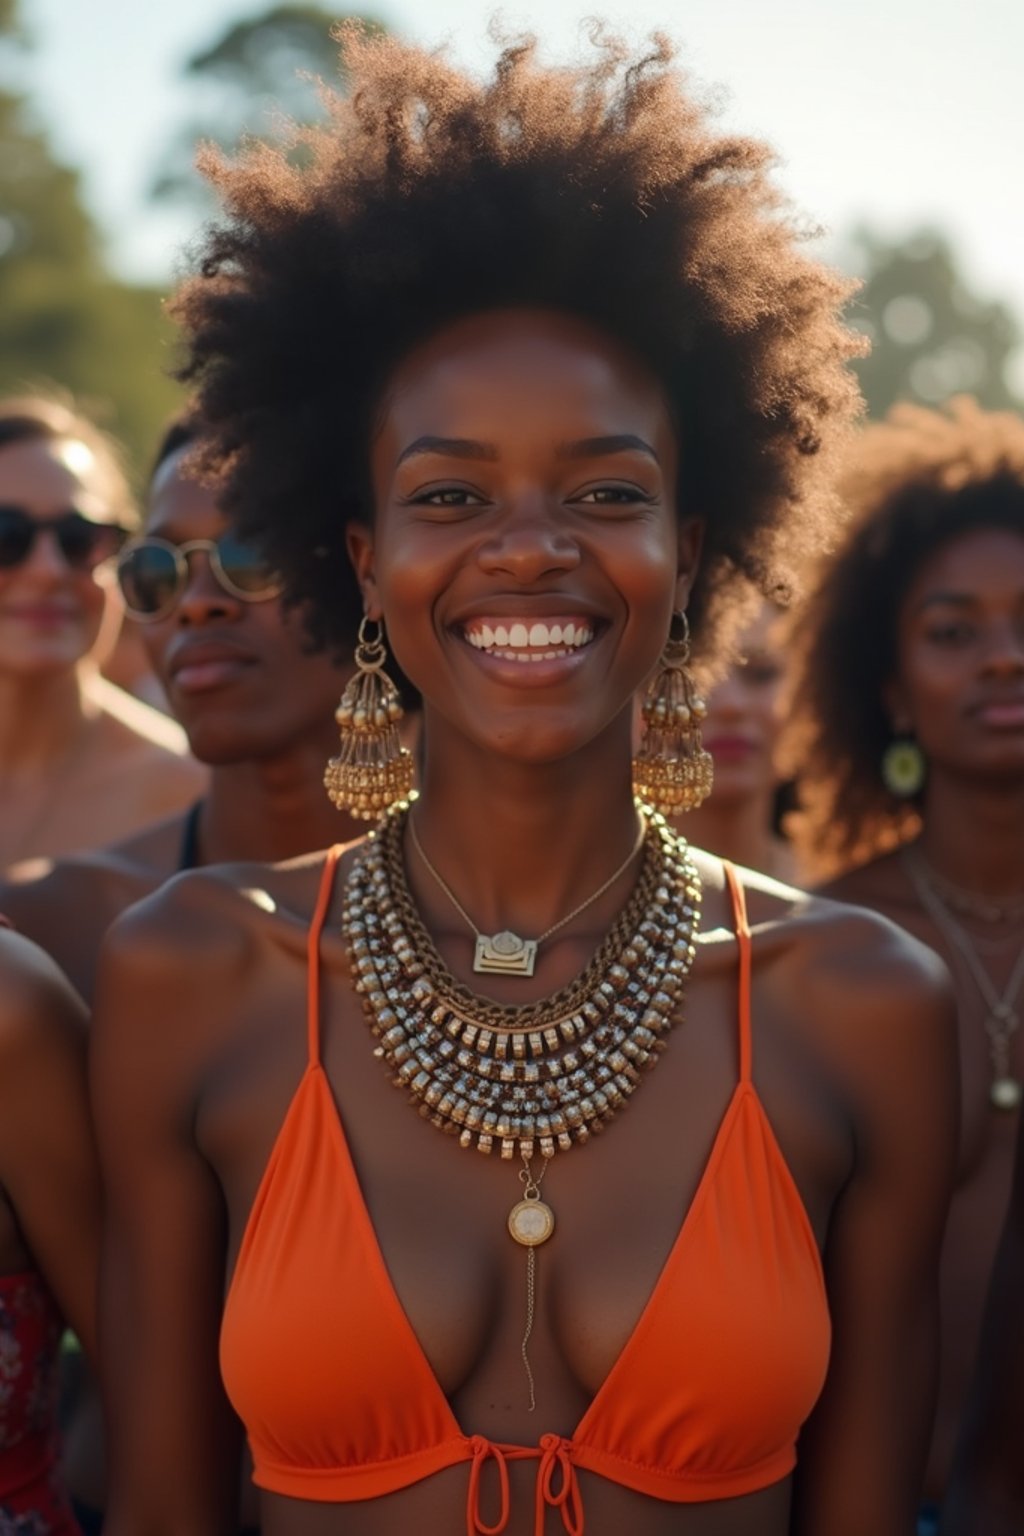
(153, 573)
(83, 544)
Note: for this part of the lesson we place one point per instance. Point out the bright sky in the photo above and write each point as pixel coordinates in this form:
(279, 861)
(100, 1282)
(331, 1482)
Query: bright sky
(898, 112)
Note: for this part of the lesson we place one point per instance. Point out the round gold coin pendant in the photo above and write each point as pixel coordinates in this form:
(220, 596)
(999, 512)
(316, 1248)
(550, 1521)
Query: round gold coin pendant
(1006, 1093)
(531, 1222)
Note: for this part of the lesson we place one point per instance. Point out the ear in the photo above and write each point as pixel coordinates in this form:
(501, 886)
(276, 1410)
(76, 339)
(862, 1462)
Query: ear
(359, 543)
(895, 701)
(691, 542)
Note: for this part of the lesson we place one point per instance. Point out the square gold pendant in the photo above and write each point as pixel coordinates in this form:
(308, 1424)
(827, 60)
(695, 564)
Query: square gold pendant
(504, 954)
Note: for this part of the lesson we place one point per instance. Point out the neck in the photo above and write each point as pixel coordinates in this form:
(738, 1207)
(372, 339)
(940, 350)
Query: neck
(273, 809)
(737, 829)
(40, 720)
(973, 834)
(521, 844)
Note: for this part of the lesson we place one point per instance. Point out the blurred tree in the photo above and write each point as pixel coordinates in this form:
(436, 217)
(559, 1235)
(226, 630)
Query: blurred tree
(261, 69)
(931, 335)
(63, 318)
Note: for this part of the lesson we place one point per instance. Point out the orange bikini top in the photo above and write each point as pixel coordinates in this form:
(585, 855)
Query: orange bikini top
(705, 1401)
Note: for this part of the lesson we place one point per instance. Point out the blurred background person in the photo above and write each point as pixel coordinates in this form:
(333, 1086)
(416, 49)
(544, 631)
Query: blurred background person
(255, 701)
(68, 737)
(910, 741)
(740, 820)
(49, 1228)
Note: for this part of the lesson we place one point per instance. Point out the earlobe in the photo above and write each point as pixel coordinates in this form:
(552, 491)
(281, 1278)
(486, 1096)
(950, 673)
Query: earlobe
(896, 708)
(359, 543)
(691, 540)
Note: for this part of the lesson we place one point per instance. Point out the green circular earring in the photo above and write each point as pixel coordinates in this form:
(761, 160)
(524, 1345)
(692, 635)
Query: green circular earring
(903, 768)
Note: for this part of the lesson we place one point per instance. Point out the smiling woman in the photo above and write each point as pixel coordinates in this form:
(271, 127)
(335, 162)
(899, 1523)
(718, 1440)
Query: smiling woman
(542, 353)
(65, 510)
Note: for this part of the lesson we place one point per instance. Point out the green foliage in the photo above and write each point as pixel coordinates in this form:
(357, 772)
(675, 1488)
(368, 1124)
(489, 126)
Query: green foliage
(63, 320)
(261, 70)
(931, 335)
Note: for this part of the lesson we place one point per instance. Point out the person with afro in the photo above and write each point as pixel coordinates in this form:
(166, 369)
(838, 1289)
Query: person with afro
(541, 355)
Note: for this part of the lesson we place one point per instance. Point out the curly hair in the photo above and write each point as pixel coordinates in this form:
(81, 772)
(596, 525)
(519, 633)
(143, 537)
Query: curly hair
(56, 418)
(600, 191)
(917, 480)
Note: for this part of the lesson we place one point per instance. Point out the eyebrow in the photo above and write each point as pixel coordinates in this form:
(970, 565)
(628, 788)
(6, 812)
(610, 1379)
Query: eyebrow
(582, 448)
(597, 447)
(450, 447)
(945, 600)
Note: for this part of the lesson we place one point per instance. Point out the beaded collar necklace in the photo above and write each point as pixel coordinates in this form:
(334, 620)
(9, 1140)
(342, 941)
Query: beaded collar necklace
(527, 1079)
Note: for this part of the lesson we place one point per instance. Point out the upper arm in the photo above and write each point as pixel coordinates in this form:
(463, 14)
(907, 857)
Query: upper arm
(47, 1155)
(986, 1494)
(173, 1439)
(893, 1030)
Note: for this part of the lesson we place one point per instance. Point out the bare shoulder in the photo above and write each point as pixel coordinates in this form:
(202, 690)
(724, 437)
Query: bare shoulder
(38, 1007)
(852, 972)
(214, 920)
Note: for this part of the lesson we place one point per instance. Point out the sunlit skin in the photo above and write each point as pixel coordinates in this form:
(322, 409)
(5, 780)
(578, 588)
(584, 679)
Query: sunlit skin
(63, 732)
(959, 688)
(568, 510)
(741, 731)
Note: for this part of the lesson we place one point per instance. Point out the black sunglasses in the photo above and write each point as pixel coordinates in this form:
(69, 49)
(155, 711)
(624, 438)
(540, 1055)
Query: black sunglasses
(153, 573)
(83, 543)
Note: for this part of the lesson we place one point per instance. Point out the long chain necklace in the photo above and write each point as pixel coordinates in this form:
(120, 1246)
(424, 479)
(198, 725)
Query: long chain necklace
(1003, 1020)
(505, 953)
(540, 1077)
(1009, 909)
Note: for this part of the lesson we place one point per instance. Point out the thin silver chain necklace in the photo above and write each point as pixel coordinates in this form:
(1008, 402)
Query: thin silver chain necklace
(1003, 1020)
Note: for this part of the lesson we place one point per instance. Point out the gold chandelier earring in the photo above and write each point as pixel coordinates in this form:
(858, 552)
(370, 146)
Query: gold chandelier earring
(671, 770)
(372, 770)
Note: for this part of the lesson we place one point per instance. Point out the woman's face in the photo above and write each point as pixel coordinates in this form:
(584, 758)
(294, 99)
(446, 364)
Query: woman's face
(51, 613)
(744, 714)
(237, 674)
(527, 554)
(960, 682)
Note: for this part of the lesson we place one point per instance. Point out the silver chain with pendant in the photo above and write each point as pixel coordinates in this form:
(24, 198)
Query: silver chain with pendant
(505, 953)
(1003, 1020)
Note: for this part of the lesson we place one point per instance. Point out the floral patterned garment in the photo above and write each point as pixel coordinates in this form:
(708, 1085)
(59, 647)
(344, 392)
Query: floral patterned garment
(32, 1502)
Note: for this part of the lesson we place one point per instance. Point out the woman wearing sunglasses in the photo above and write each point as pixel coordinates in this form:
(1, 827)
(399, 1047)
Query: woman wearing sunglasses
(257, 706)
(539, 350)
(67, 738)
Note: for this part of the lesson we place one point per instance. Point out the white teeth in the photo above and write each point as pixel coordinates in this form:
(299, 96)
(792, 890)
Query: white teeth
(540, 641)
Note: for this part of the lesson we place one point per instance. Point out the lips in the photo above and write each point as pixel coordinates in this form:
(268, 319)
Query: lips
(201, 667)
(1002, 714)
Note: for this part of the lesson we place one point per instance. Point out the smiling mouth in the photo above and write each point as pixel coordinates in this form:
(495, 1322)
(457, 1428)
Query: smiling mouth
(527, 640)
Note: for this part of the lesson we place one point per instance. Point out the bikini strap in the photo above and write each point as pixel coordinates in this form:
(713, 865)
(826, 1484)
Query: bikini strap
(742, 927)
(316, 928)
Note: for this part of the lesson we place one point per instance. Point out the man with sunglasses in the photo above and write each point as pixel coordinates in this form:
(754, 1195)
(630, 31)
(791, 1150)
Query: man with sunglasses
(258, 708)
(66, 736)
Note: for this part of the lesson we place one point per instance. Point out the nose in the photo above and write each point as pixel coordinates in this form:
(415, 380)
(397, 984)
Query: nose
(728, 698)
(529, 543)
(46, 558)
(1004, 655)
(203, 600)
